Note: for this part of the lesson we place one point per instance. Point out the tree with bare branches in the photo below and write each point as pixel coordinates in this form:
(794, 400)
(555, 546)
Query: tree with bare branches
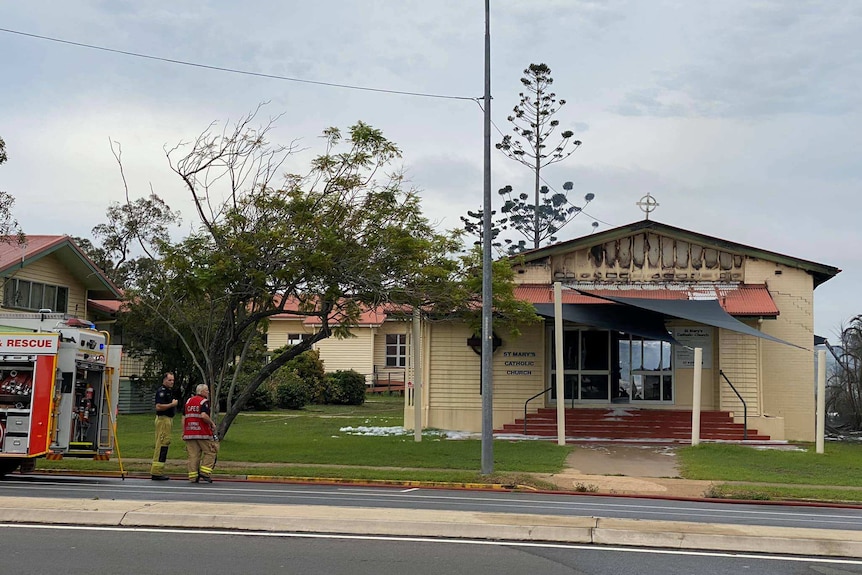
(342, 238)
(844, 394)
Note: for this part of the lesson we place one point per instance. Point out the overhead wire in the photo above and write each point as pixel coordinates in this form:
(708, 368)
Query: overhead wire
(268, 76)
(237, 71)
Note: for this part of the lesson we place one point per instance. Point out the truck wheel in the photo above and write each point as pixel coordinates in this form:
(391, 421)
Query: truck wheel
(8, 466)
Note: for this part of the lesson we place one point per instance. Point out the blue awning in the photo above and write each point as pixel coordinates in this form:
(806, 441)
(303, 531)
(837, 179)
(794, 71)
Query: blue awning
(647, 324)
(706, 312)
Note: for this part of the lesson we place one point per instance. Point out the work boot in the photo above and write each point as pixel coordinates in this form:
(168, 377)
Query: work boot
(159, 477)
(205, 478)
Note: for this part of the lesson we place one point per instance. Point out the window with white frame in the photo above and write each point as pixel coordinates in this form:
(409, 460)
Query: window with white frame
(30, 295)
(296, 338)
(396, 350)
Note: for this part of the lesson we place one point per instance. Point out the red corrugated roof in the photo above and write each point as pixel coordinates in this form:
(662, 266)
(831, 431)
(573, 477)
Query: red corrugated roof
(749, 300)
(12, 253)
(541, 293)
(369, 317)
(105, 305)
(736, 299)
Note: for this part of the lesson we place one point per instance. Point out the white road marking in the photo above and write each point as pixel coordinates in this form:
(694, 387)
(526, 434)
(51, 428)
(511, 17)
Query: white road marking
(651, 551)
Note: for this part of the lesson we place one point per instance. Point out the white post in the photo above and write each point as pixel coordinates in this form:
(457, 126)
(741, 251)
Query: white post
(558, 350)
(821, 399)
(417, 377)
(695, 397)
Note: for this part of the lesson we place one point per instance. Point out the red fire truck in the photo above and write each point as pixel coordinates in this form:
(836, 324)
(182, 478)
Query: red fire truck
(59, 379)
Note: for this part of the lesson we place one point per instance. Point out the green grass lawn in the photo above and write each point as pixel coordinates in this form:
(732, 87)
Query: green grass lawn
(296, 442)
(800, 474)
(313, 442)
(840, 464)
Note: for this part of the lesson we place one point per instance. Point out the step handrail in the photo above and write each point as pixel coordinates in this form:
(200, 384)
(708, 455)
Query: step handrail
(744, 406)
(543, 392)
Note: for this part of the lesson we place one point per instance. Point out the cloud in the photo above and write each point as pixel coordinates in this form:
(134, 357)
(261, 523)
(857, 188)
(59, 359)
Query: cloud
(760, 59)
(741, 117)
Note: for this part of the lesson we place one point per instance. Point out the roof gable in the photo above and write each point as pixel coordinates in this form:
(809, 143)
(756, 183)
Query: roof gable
(15, 256)
(820, 272)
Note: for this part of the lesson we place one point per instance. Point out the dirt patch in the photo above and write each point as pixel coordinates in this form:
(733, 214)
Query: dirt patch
(628, 460)
(649, 470)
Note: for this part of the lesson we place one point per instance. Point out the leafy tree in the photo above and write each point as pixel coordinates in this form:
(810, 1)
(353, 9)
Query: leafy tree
(474, 225)
(343, 237)
(510, 313)
(9, 227)
(459, 296)
(552, 213)
(536, 144)
(844, 394)
(127, 249)
(147, 218)
(555, 211)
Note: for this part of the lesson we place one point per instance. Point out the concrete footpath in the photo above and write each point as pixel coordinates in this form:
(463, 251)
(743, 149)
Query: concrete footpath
(649, 471)
(430, 523)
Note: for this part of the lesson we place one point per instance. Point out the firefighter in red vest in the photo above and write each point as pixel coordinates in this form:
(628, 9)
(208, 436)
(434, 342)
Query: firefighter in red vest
(199, 435)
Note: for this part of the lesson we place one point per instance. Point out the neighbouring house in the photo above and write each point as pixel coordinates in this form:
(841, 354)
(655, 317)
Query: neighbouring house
(377, 348)
(50, 272)
(53, 273)
(636, 300)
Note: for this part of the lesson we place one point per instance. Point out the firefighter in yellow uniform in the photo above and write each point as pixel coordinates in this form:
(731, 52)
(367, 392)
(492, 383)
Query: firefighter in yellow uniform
(166, 408)
(199, 435)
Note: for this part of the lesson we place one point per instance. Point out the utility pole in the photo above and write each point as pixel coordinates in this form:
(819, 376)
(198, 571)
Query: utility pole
(487, 292)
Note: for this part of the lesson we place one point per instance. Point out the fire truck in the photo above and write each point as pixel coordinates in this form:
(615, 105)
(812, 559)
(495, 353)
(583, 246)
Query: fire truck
(59, 379)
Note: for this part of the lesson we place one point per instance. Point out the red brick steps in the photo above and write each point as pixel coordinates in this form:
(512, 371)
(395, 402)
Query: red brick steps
(633, 424)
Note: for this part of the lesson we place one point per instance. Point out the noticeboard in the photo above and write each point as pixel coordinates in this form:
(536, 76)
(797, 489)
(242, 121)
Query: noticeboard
(690, 338)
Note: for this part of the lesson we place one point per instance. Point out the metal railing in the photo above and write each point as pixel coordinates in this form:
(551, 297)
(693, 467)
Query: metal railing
(528, 401)
(387, 378)
(744, 406)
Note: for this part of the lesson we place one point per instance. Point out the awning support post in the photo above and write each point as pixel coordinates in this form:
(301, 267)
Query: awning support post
(695, 400)
(558, 350)
(417, 375)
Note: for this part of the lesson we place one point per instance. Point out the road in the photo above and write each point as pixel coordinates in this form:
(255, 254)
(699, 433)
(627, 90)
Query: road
(84, 551)
(581, 505)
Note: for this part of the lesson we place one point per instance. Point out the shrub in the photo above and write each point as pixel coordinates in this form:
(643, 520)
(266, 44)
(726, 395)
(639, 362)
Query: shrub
(345, 387)
(309, 368)
(263, 398)
(291, 392)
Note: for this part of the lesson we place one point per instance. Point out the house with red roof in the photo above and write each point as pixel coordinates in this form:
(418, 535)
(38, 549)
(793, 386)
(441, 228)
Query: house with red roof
(51, 273)
(377, 348)
(636, 301)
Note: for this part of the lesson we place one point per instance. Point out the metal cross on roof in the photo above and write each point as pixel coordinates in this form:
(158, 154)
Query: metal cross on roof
(647, 204)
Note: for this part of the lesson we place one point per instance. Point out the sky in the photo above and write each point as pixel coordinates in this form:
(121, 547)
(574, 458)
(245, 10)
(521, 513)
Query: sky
(742, 118)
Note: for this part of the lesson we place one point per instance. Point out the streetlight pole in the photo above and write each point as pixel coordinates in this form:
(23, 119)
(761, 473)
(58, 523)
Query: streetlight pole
(487, 292)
